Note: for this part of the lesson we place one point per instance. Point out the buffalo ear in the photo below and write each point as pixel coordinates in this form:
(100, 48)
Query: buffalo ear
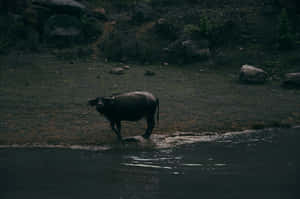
(108, 100)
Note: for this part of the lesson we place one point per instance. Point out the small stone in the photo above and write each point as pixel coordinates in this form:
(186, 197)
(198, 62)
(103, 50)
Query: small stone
(251, 74)
(149, 73)
(126, 67)
(292, 80)
(117, 71)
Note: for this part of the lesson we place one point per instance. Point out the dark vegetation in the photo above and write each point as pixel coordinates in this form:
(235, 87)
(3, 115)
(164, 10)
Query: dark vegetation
(228, 33)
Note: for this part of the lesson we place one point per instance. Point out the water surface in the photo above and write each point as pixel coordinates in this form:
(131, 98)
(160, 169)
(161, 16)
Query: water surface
(263, 164)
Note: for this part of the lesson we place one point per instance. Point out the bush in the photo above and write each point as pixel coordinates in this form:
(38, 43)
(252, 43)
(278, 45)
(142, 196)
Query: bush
(192, 31)
(92, 28)
(120, 46)
(12, 30)
(204, 29)
(111, 46)
(165, 29)
(285, 40)
(205, 26)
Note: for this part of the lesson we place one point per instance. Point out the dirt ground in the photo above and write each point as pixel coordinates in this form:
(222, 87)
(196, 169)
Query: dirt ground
(43, 99)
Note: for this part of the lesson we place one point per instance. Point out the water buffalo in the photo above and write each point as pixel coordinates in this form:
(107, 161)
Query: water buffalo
(131, 106)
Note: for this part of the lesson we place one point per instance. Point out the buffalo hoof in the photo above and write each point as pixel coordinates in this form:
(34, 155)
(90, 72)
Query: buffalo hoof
(146, 136)
(130, 140)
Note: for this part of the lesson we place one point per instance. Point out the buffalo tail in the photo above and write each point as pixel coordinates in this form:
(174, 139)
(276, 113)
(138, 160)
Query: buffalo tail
(157, 113)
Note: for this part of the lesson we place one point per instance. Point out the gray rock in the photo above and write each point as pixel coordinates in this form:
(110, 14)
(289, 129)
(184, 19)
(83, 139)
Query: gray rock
(61, 5)
(251, 74)
(61, 28)
(186, 51)
(117, 71)
(292, 80)
(65, 32)
(126, 67)
(99, 13)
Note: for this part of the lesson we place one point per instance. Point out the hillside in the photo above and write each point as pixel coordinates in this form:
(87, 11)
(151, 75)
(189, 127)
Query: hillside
(227, 32)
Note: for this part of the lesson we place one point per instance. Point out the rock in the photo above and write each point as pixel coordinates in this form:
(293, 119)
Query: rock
(126, 67)
(186, 51)
(117, 71)
(65, 32)
(36, 16)
(149, 73)
(100, 13)
(251, 74)
(62, 28)
(62, 6)
(292, 80)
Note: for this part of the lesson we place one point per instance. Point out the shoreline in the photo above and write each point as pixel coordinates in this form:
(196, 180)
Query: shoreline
(177, 139)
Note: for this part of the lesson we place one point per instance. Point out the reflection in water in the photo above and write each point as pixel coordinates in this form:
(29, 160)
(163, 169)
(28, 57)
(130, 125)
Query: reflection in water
(146, 165)
(261, 165)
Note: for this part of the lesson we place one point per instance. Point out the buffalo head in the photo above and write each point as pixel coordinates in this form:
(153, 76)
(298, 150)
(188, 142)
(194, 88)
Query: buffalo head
(94, 102)
(101, 103)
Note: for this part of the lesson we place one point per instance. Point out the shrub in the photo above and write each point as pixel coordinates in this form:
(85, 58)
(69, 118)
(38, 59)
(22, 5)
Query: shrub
(192, 31)
(286, 40)
(165, 29)
(92, 28)
(205, 26)
(120, 45)
(111, 46)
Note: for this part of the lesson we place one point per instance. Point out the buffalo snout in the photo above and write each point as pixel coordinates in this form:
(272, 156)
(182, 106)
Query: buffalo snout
(93, 102)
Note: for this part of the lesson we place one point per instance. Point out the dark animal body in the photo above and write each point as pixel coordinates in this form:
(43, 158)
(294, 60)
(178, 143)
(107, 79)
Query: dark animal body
(131, 106)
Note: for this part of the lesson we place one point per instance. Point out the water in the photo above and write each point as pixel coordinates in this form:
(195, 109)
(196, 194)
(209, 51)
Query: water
(262, 164)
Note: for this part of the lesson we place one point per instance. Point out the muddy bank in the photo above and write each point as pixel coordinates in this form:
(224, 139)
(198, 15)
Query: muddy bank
(160, 141)
(43, 100)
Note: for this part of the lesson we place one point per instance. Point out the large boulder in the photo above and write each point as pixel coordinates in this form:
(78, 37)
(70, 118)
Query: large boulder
(292, 80)
(194, 51)
(99, 13)
(63, 29)
(251, 74)
(117, 71)
(186, 51)
(62, 6)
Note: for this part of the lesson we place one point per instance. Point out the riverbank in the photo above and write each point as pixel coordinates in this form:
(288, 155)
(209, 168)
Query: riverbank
(44, 100)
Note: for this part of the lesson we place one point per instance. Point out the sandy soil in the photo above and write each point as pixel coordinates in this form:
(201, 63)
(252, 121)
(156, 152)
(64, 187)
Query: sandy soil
(43, 99)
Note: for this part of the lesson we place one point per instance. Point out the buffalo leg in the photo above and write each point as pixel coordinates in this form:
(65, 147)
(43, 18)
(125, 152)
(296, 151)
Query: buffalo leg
(117, 131)
(150, 126)
(119, 126)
